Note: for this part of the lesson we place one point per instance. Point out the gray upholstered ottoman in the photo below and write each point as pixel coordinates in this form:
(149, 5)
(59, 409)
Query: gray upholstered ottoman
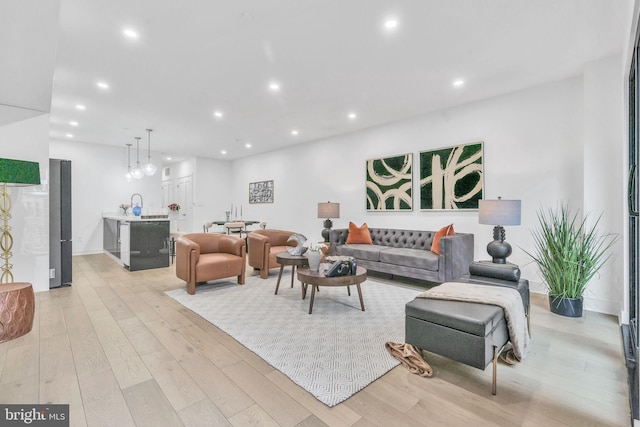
(468, 332)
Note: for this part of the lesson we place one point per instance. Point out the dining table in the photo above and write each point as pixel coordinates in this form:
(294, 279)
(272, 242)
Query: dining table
(246, 221)
(235, 229)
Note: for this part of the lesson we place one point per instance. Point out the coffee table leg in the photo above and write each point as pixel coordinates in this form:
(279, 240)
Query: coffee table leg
(279, 277)
(293, 273)
(303, 286)
(360, 295)
(349, 290)
(313, 294)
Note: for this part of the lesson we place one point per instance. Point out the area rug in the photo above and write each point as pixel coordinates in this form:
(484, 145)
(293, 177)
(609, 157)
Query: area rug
(333, 353)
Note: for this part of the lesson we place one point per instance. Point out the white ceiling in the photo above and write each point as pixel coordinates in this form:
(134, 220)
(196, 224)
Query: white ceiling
(330, 57)
(28, 33)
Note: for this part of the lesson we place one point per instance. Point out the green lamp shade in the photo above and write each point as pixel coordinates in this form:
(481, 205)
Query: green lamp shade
(19, 172)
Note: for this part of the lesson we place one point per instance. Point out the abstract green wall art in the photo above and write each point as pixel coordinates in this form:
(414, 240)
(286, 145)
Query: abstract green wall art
(389, 182)
(452, 177)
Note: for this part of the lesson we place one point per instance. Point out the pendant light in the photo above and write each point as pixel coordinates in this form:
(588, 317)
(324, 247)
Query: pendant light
(149, 169)
(137, 172)
(128, 176)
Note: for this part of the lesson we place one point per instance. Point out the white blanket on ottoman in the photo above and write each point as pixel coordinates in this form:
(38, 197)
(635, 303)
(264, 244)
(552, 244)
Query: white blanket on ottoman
(507, 298)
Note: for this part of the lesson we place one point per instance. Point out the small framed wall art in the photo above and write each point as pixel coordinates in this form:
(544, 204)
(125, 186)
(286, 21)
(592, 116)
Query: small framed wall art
(389, 182)
(261, 192)
(452, 177)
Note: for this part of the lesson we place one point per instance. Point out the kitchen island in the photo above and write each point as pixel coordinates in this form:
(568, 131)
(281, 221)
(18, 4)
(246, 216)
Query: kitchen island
(139, 243)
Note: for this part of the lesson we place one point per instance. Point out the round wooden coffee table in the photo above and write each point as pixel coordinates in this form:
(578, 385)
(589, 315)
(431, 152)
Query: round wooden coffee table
(285, 258)
(317, 279)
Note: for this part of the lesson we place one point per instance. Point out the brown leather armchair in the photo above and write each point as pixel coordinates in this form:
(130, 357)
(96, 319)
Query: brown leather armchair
(207, 256)
(264, 245)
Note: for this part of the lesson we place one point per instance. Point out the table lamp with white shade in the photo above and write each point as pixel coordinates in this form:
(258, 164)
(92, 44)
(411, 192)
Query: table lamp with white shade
(328, 211)
(499, 213)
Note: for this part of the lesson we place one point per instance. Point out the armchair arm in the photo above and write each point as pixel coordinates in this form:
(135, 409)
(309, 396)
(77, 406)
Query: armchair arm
(456, 255)
(258, 247)
(280, 237)
(187, 256)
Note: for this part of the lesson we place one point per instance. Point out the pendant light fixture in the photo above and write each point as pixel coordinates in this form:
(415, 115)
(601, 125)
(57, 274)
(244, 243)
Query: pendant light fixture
(137, 172)
(129, 176)
(149, 169)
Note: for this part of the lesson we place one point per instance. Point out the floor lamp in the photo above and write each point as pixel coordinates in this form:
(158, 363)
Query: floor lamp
(17, 301)
(12, 173)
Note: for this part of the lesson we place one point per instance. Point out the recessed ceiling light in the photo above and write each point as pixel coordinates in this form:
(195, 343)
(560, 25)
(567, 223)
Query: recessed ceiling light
(248, 145)
(458, 83)
(73, 123)
(223, 152)
(80, 107)
(391, 24)
(274, 86)
(218, 114)
(294, 132)
(352, 116)
(103, 85)
(168, 158)
(129, 33)
(69, 135)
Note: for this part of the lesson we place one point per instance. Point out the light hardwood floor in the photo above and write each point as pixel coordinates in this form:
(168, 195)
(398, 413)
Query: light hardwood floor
(121, 353)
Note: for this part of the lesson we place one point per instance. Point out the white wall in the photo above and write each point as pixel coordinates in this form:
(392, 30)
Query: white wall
(605, 166)
(533, 151)
(211, 179)
(29, 140)
(212, 191)
(99, 185)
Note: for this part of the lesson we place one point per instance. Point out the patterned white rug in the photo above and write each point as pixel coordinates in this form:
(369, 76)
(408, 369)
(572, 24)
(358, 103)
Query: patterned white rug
(333, 353)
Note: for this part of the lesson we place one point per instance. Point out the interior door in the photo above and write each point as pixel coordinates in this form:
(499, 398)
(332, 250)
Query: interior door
(184, 192)
(168, 191)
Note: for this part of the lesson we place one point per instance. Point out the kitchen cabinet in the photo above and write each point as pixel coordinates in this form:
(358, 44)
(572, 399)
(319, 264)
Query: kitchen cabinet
(140, 244)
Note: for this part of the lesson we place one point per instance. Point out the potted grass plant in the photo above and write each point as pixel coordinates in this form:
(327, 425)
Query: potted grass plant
(569, 251)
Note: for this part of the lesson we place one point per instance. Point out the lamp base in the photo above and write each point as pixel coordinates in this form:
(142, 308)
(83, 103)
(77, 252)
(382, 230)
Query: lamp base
(499, 249)
(327, 229)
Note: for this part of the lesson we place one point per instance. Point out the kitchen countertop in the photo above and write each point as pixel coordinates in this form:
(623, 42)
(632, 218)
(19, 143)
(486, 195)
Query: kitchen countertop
(132, 218)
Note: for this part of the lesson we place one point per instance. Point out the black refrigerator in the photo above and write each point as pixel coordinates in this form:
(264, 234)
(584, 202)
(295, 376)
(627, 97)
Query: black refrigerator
(60, 266)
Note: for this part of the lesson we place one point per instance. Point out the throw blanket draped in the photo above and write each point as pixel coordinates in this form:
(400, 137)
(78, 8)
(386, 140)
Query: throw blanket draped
(410, 358)
(507, 298)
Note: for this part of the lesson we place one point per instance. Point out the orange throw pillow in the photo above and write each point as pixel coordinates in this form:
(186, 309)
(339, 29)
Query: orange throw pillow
(447, 230)
(359, 234)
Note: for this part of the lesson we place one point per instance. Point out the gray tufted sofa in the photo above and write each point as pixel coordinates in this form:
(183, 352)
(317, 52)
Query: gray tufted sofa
(408, 253)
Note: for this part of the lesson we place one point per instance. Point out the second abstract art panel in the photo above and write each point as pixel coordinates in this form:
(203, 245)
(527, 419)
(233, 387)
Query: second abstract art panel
(452, 177)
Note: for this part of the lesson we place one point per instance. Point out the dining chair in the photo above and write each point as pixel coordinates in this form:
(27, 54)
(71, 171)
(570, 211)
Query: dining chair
(236, 227)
